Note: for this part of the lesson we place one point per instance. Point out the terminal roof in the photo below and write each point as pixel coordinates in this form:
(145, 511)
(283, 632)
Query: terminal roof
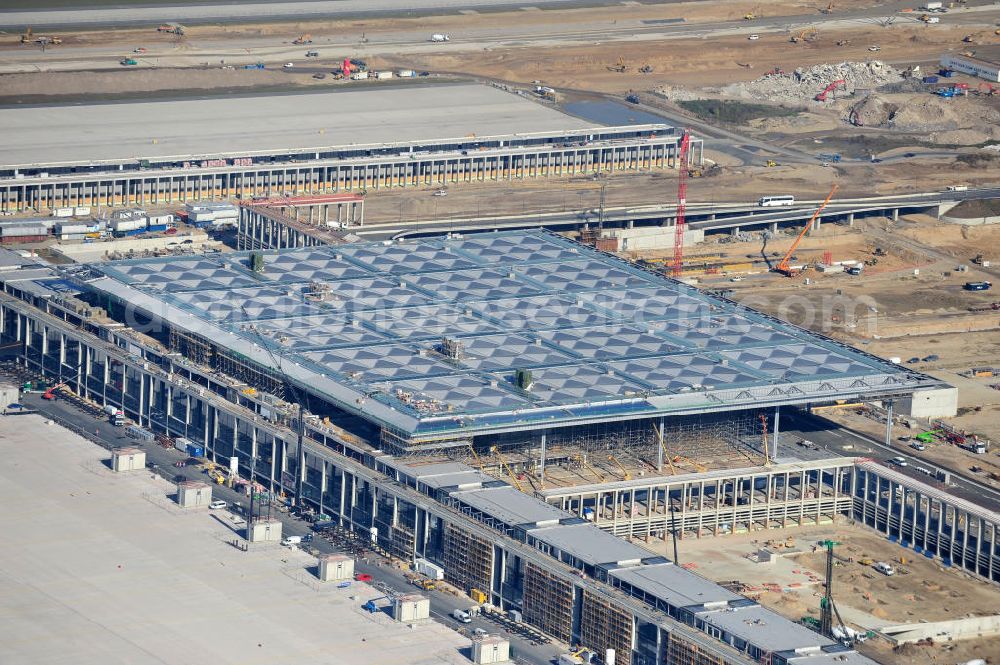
(364, 326)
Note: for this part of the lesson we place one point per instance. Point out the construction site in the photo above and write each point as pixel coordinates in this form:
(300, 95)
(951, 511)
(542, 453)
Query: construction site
(662, 332)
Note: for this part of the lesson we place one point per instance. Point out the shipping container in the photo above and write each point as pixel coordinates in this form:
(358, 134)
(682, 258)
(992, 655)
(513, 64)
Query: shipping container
(123, 225)
(161, 219)
(428, 569)
(381, 76)
(405, 73)
(62, 212)
(81, 211)
(930, 79)
(359, 76)
(195, 450)
(155, 228)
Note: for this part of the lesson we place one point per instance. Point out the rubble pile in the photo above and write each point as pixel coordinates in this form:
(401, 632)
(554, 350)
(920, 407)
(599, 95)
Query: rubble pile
(803, 84)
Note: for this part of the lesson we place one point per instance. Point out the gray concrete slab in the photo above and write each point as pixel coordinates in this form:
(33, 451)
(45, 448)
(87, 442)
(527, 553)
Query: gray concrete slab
(236, 125)
(121, 14)
(101, 568)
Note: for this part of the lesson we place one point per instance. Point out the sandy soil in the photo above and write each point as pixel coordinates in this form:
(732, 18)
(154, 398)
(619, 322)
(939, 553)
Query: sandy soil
(922, 591)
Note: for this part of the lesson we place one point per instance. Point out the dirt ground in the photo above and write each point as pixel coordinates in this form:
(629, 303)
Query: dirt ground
(922, 590)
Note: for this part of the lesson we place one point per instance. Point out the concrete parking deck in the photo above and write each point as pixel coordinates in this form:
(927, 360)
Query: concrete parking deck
(99, 567)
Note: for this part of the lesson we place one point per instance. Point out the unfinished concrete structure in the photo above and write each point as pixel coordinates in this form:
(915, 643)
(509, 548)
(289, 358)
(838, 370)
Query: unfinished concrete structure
(415, 351)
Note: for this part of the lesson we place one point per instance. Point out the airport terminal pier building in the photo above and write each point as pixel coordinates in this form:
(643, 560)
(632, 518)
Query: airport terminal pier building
(157, 153)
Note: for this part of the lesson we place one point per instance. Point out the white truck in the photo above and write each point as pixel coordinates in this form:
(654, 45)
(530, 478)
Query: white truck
(440, 38)
(115, 415)
(931, 6)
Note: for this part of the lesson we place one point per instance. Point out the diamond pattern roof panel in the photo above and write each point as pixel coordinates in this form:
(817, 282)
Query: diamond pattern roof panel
(652, 304)
(317, 331)
(795, 361)
(426, 321)
(478, 283)
(261, 303)
(455, 393)
(400, 259)
(609, 342)
(310, 264)
(185, 275)
(500, 352)
(380, 362)
(578, 384)
(509, 250)
(539, 312)
(585, 275)
(684, 371)
(719, 332)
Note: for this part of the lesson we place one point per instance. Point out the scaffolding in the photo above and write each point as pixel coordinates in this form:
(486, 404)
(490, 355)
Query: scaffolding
(548, 602)
(605, 625)
(468, 559)
(679, 651)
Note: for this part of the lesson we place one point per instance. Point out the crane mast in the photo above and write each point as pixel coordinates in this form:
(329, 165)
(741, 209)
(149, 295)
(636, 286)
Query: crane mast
(683, 152)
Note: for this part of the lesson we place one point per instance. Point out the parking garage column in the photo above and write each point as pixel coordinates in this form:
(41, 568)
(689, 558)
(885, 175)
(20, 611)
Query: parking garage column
(541, 473)
(888, 423)
(777, 414)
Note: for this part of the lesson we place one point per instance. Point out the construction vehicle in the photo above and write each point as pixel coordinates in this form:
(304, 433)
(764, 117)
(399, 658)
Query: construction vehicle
(827, 606)
(988, 89)
(753, 14)
(172, 29)
(371, 606)
(783, 266)
(834, 157)
(625, 472)
(807, 35)
(771, 163)
(619, 67)
(968, 39)
(683, 158)
(506, 467)
(128, 62)
(844, 42)
(839, 83)
(29, 37)
(645, 69)
(929, 436)
(303, 39)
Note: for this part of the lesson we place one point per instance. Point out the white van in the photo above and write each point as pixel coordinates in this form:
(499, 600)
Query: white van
(884, 568)
(288, 541)
(462, 616)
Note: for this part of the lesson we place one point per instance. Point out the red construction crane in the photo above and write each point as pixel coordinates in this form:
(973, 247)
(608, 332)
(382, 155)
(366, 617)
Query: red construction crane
(782, 266)
(821, 97)
(682, 158)
(346, 69)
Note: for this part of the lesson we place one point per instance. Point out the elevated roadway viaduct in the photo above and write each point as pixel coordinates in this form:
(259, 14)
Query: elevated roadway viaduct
(710, 217)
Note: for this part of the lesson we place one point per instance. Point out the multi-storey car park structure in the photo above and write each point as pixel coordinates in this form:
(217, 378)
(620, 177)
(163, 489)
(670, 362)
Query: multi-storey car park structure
(165, 152)
(509, 340)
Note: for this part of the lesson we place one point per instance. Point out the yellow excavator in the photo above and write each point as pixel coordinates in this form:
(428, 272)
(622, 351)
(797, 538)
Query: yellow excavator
(625, 474)
(506, 467)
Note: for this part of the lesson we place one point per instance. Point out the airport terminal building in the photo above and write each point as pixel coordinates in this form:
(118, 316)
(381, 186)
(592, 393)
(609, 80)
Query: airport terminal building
(501, 340)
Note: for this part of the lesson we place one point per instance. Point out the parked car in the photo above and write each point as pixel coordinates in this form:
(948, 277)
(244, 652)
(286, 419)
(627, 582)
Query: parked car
(218, 504)
(916, 445)
(288, 65)
(753, 38)
(362, 577)
(897, 461)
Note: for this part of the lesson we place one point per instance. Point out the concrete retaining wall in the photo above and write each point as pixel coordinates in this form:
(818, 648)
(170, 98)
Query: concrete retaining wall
(944, 631)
